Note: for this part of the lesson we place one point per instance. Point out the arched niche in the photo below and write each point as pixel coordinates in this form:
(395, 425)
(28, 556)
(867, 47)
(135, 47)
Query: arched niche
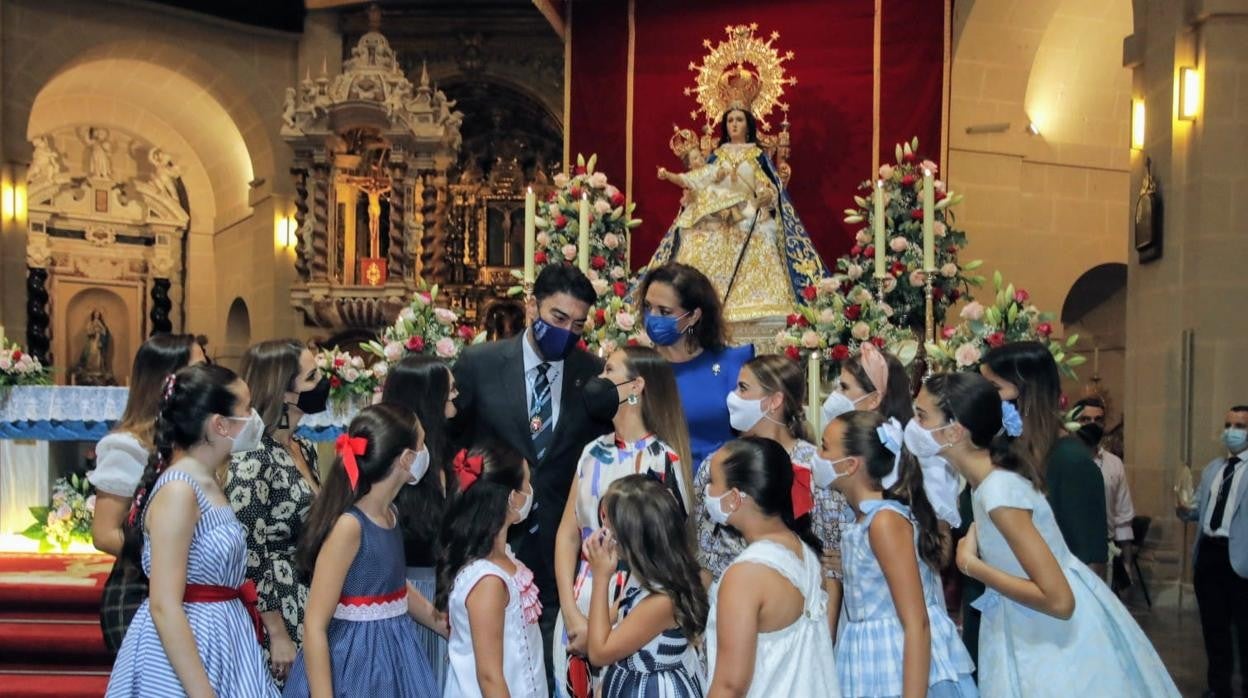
(237, 331)
(88, 309)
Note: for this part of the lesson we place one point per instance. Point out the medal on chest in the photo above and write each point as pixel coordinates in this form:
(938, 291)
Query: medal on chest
(535, 425)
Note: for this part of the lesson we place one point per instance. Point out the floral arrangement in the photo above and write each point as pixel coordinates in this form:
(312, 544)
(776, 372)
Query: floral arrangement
(349, 377)
(67, 519)
(1010, 318)
(421, 328)
(19, 368)
(612, 322)
(903, 260)
(838, 317)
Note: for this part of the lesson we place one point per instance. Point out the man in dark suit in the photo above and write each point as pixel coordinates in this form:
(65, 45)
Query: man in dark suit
(525, 393)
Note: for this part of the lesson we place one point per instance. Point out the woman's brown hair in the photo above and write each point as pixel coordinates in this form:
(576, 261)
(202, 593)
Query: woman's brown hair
(158, 358)
(269, 369)
(695, 292)
(661, 409)
(1029, 366)
(780, 374)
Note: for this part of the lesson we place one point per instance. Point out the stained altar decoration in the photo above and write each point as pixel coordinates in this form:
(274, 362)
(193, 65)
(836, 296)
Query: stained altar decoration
(1010, 317)
(105, 242)
(585, 220)
(737, 224)
(372, 151)
(423, 327)
(837, 319)
(18, 367)
(897, 268)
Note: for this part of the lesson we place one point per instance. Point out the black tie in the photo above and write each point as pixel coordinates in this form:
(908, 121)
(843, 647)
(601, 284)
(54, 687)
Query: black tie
(540, 412)
(1224, 491)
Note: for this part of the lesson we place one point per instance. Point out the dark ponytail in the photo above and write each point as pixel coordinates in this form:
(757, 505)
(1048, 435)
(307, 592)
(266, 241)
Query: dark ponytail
(188, 399)
(861, 438)
(387, 431)
(477, 515)
(972, 401)
(761, 468)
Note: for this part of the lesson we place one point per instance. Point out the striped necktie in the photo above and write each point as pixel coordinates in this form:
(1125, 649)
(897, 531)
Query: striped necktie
(540, 411)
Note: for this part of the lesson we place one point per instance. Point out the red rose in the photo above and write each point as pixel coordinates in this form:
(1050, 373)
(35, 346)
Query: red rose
(792, 353)
(995, 339)
(1045, 329)
(575, 192)
(17, 354)
(561, 220)
(937, 293)
(600, 317)
(897, 269)
(951, 249)
(910, 157)
(792, 319)
(582, 345)
(550, 198)
(580, 169)
(466, 333)
(618, 199)
(917, 214)
(335, 382)
(1021, 296)
(620, 288)
(853, 312)
(840, 352)
(598, 262)
(809, 293)
(909, 180)
(632, 342)
(855, 250)
(940, 196)
(846, 287)
(339, 362)
(869, 251)
(878, 342)
(948, 333)
(539, 257)
(954, 295)
(415, 344)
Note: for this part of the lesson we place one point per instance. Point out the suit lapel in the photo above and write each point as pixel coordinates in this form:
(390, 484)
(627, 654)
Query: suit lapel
(516, 411)
(570, 413)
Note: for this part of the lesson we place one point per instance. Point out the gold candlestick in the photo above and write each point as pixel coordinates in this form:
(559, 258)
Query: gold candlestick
(929, 326)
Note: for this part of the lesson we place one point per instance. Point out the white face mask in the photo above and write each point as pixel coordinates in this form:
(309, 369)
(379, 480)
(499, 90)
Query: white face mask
(744, 414)
(419, 466)
(715, 507)
(824, 471)
(524, 509)
(922, 442)
(248, 438)
(839, 403)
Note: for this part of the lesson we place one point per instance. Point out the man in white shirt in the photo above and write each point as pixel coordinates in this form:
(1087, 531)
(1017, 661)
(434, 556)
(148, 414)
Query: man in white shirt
(1118, 507)
(1221, 557)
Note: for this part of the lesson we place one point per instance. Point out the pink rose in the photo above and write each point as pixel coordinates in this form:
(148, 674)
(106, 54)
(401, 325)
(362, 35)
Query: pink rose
(827, 316)
(611, 241)
(445, 347)
(949, 271)
(972, 311)
(380, 369)
(625, 320)
(929, 166)
(554, 210)
(423, 298)
(569, 252)
(810, 339)
(600, 285)
(561, 180)
(602, 207)
(948, 333)
(860, 295)
(938, 186)
(899, 244)
(916, 277)
(445, 316)
(829, 285)
(886, 172)
(611, 190)
(890, 284)
(854, 272)
(861, 331)
(863, 237)
(886, 309)
(598, 180)
(618, 273)
(543, 239)
(938, 229)
(393, 351)
(967, 355)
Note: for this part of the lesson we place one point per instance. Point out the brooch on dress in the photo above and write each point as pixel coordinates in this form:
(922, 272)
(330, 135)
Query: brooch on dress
(715, 369)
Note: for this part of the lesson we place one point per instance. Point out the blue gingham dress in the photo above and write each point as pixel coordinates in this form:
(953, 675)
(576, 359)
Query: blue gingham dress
(223, 632)
(870, 645)
(666, 667)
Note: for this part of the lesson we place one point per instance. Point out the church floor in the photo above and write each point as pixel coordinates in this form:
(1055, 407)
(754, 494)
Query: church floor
(1176, 635)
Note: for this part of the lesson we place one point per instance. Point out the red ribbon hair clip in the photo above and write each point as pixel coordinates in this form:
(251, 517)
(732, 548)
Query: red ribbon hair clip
(348, 447)
(803, 499)
(467, 468)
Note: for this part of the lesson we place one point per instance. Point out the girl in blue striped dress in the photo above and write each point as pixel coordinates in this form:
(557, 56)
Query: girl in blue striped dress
(196, 634)
(359, 637)
(897, 639)
(650, 652)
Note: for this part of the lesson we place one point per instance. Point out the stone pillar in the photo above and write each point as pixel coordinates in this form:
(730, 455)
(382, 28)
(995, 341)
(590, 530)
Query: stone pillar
(1187, 340)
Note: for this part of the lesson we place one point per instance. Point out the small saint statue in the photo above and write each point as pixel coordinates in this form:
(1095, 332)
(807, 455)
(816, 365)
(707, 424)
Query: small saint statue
(95, 363)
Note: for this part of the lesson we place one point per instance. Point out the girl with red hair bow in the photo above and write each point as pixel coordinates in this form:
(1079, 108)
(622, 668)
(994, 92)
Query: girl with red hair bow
(359, 637)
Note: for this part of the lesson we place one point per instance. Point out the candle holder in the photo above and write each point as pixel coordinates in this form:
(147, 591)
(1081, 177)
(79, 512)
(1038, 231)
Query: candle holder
(879, 289)
(929, 317)
(528, 291)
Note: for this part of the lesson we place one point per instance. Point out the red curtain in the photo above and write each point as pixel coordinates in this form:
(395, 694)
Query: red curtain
(831, 105)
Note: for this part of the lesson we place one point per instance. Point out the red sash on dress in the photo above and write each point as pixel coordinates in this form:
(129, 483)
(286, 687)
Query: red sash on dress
(208, 593)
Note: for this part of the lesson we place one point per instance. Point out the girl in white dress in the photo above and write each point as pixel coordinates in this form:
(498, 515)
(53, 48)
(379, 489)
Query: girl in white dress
(772, 638)
(1050, 626)
(495, 647)
(650, 438)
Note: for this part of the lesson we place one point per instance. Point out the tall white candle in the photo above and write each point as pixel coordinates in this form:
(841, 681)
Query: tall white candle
(813, 401)
(530, 234)
(878, 222)
(582, 241)
(929, 217)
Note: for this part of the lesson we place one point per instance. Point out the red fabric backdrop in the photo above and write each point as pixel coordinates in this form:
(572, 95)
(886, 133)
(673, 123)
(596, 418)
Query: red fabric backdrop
(831, 105)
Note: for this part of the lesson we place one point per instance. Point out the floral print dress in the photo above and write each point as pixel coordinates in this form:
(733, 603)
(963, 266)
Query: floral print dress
(272, 498)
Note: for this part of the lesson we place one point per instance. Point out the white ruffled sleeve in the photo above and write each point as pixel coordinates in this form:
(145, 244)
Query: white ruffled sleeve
(119, 463)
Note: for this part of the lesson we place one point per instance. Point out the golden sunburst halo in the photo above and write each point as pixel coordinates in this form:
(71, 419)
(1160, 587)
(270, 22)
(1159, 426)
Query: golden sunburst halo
(742, 71)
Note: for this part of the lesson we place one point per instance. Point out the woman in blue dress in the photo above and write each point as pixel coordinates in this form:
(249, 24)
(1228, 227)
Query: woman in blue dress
(1049, 625)
(360, 638)
(196, 634)
(685, 320)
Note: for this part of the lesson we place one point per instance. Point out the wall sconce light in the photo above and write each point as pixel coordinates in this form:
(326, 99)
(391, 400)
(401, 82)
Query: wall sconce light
(1189, 93)
(8, 201)
(1137, 124)
(285, 227)
(1032, 128)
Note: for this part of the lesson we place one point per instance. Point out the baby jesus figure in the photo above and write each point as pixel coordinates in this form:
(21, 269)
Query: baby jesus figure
(709, 191)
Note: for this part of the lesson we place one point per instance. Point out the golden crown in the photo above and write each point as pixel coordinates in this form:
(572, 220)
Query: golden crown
(743, 72)
(683, 141)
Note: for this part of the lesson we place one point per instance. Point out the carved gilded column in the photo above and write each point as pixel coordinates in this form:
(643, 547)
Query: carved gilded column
(396, 257)
(319, 264)
(301, 219)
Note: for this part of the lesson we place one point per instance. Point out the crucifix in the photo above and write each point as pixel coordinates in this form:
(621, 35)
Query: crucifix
(374, 185)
